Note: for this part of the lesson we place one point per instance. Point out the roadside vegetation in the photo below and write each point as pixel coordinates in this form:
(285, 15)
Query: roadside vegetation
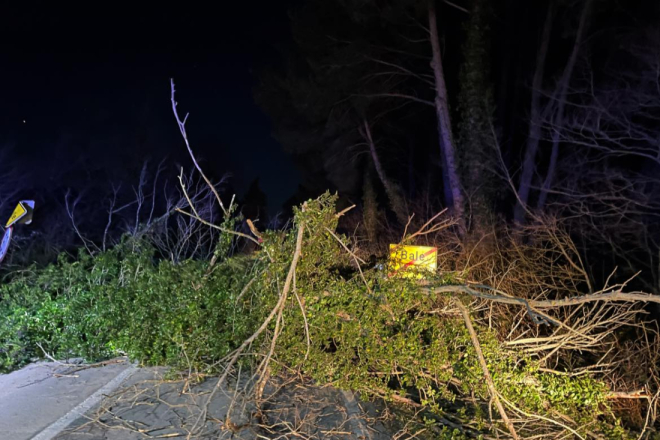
(555, 369)
(538, 322)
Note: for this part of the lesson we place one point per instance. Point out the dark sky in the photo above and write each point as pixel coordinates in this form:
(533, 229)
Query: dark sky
(89, 82)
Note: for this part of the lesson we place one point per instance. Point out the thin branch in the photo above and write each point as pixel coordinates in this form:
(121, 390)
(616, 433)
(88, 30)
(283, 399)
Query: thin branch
(355, 258)
(454, 5)
(182, 128)
(540, 417)
(530, 304)
(399, 95)
(484, 367)
(219, 228)
(275, 311)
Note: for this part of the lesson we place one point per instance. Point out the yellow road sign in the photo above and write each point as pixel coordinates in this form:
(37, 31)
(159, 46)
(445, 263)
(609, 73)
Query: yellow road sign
(18, 214)
(412, 261)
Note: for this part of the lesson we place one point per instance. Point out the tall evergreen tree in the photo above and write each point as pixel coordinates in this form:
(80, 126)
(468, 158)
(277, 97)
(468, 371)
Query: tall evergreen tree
(477, 148)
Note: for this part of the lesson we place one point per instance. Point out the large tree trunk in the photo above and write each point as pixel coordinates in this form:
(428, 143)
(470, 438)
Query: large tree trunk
(561, 92)
(476, 146)
(447, 149)
(396, 199)
(535, 123)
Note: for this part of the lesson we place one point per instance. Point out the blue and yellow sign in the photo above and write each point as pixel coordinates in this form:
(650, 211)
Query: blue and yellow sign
(22, 213)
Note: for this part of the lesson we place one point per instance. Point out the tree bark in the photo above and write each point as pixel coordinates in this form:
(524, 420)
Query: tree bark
(447, 149)
(475, 144)
(394, 195)
(529, 162)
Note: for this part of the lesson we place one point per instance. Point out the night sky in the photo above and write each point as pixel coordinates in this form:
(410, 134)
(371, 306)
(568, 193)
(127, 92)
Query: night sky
(84, 87)
(87, 86)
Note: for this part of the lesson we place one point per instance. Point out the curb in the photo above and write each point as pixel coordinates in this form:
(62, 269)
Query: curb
(61, 424)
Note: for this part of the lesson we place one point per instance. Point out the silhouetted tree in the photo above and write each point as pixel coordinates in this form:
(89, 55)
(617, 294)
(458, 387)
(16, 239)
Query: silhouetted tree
(366, 61)
(254, 206)
(477, 146)
(553, 108)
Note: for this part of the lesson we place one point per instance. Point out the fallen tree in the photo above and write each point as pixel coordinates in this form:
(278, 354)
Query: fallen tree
(540, 345)
(511, 338)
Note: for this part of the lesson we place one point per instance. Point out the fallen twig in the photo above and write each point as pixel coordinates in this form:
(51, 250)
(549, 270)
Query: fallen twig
(484, 367)
(264, 325)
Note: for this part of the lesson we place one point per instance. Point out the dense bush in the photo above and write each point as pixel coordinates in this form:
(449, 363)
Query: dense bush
(354, 329)
(123, 301)
(383, 336)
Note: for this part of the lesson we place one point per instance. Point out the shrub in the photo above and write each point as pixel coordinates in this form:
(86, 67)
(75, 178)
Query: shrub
(123, 301)
(352, 328)
(388, 337)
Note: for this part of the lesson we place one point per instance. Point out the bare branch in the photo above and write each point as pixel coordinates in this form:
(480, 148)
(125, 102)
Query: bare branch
(399, 95)
(182, 129)
(484, 368)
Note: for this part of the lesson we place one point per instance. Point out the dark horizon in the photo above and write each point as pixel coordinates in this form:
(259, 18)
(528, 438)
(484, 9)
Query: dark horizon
(76, 90)
(278, 93)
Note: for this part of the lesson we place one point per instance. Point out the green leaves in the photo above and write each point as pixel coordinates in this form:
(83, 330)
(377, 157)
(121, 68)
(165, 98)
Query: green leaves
(378, 336)
(123, 301)
(389, 338)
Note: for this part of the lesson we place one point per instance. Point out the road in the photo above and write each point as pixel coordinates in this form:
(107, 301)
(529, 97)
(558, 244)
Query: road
(42, 399)
(50, 401)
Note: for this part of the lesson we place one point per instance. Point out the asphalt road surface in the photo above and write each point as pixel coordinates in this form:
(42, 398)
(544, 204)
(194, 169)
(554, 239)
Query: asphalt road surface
(40, 400)
(117, 401)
